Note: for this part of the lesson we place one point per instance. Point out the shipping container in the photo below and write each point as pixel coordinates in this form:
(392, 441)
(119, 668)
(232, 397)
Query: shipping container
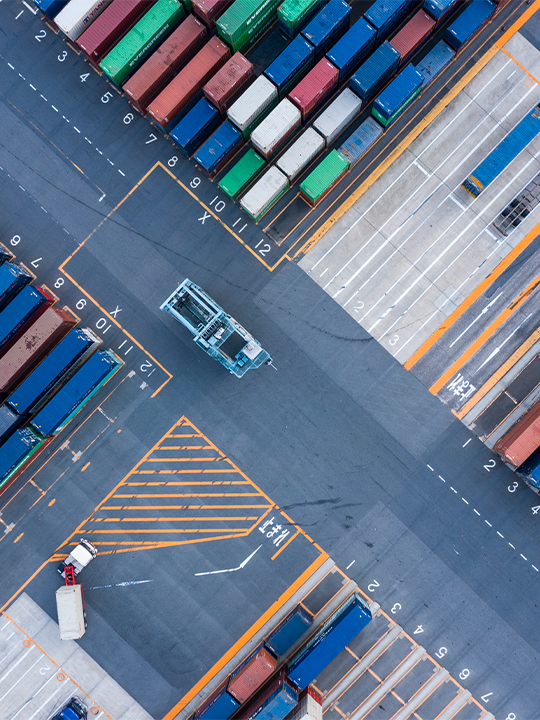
(324, 177)
(314, 88)
(8, 422)
(253, 105)
(245, 21)
(210, 10)
(266, 192)
(251, 675)
(289, 631)
(274, 131)
(242, 174)
(373, 74)
(328, 642)
(522, 439)
(291, 65)
(77, 15)
(328, 26)
(309, 706)
(111, 26)
(440, 9)
(357, 144)
(15, 452)
(301, 153)
(293, 15)
(384, 15)
(530, 470)
(196, 127)
(340, 113)
(13, 278)
(220, 707)
(219, 149)
(78, 390)
(228, 83)
(507, 150)
(160, 68)
(23, 309)
(5, 254)
(395, 98)
(352, 48)
(33, 345)
(413, 34)
(179, 95)
(468, 23)
(275, 703)
(53, 370)
(71, 619)
(435, 61)
(51, 8)
(144, 36)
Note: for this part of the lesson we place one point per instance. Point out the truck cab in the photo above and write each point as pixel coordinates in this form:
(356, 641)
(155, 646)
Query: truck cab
(79, 557)
(74, 709)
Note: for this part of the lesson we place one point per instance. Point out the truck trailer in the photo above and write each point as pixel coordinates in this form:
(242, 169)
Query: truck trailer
(71, 614)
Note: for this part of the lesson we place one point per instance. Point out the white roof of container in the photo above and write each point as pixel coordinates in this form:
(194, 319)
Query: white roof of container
(301, 152)
(71, 20)
(258, 96)
(257, 198)
(280, 121)
(346, 104)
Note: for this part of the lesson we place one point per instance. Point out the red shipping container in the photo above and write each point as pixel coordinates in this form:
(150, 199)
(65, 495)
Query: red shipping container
(522, 440)
(165, 62)
(31, 347)
(252, 675)
(228, 83)
(189, 81)
(413, 34)
(111, 26)
(209, 10)
(315, 87)
(258, 699)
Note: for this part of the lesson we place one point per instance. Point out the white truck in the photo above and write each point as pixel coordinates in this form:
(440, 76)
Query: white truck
(79, 557)
(71, 614)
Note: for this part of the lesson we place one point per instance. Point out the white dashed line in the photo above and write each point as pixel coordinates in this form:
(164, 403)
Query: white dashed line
(65, 118)
(512, 546)
(468, 441)
(54, 108)
(41, 206)
(488, 523)
(453, 489)
(33, 88)
(22, 188)
(11, 66)
(522, 555)
(441, 478)
(22, 76)
(476, 511)
(122, 174)
(500, 534)
(87, 140)
(465, 501)
(43, 96)
(76, 129)
(535, 568)
(110, 161)
(64, 229)
(429, 466)
(99, 151)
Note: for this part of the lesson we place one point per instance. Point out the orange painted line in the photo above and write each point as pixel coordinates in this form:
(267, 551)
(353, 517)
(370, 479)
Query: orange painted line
(484, 337)
(202, 518)
(246, 637)
(184, 507)
(518, 24)
(282, 548)
(182, 436)
(167, 530)
(209, 471)
(185, 447)
(195, 459)
(179, 495)
(519, 65)
(471, 299)
(181, 483)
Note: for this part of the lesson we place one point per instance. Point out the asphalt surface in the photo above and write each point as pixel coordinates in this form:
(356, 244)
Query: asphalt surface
(345, 441)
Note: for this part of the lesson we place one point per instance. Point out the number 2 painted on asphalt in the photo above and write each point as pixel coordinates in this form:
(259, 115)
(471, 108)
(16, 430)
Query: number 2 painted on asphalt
(373, 586)
(490, 464)
(41, 35)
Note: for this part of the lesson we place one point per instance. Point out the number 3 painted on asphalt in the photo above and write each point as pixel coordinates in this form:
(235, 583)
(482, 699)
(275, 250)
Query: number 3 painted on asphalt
(514, 487)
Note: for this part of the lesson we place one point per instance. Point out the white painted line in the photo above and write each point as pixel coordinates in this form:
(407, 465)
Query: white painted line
(534, 566)
(41, 206)
(5, 626)
(22, 76)
(19, 15)
(323, 272)
(32, 10)
(47, 700)
(456, 551)
(242, 565)
(512, 73)
(468, 441)
(465, 501)
(12, 668)
(33, 88)
(65, 118)
(99, 151)
(122, 174)
(242, 228)
(55, 109)
(454, 199)
(236, 223)
(429, 466)
(522, 555)
(480, 314)
(101, 198)
(453, 489)
(441, 478)
(43, 96)
(491, 235)
(110, 161)
(500, 534)
(76, 129)
(512, 546)
(498, 348)
(87, 140)
(11, 66)
(22, 188)
(488, 523)
(350, 564)
(421, 168)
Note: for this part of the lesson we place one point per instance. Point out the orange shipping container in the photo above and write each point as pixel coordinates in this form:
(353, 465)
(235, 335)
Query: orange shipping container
(252, 675)
(177, 95)
(522, 440)
(229, 82)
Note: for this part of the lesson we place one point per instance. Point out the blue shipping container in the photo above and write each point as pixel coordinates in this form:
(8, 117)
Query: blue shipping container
(289, 631)
(52, 370)
(217, 148)
(377, 69)
(385, 15)
(8, 421)
(196, 127)
(360, 141)
(531, 469)
(12, 279)
(468, 23)
(328, 26)
(291, 65)
(438, 8)
(51, 8)
(506, 151)
(21, 310)
(435, 62)
(394, 98)
(75, 392)
(15, 450)
(220, 708)
(5, 254)
(334, 636)
(352, 48)
(278, 705)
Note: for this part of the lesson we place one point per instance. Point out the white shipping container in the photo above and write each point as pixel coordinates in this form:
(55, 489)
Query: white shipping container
(252, 102)
(70, 608)
(338, 115)
(264, 193)
(307, 709)
(301, 153)
(276, 127)
(79, 15)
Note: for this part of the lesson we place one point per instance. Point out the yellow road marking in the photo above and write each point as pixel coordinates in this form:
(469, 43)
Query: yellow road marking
(518, 24)
(282, 548)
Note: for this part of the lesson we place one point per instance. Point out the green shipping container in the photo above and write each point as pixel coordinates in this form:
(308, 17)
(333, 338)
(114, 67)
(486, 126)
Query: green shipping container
(292, 13)
(242, 174)
(245, 21)
(386, 122)
(323, 178)
(143, 37)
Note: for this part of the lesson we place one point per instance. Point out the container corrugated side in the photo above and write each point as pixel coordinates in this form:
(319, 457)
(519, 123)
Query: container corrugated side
(53, 370)
(522, 439)
(291, 65)
(289, 631)
(352, 48)
(375, 71)
(314, 88)
(435, 61)
(413, 34)
(253, 707)
(242, 174)
(77, 15)
(323, 178)
(24, 308)
(196, 127)
(138, 43)
(265, 193)
(279, 704)
(328, 26)
(110, 27)
(229, 82)
(357, 144)
(13, 278)
(438, 8)
(340, 113)
(296, 158)
(176, 97)
(397, 95)
(165, 62)
(218, 149)
(220, 707)
(210, 10)
(294, 14)
(385, 15)
(5, 254)
(248, 678)
(468, 23)
(276, 128)
(15, 451)
(51, 8)
(309, 706)
(8, 422)
(245, 21)
(251, 105)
